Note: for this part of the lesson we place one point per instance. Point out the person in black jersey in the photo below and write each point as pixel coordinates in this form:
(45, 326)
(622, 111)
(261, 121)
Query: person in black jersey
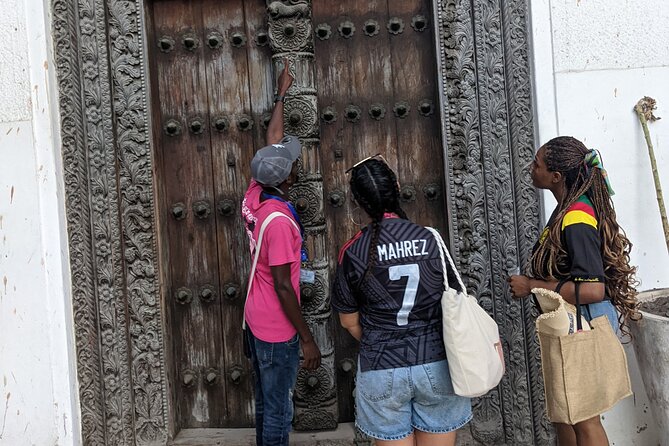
(582, 245)
(387, 291)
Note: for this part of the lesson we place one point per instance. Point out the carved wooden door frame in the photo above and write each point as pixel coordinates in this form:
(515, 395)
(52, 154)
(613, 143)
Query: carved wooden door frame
(493, 210)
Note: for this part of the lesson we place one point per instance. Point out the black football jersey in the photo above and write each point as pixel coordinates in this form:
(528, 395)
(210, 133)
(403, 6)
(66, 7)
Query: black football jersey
(399, 300)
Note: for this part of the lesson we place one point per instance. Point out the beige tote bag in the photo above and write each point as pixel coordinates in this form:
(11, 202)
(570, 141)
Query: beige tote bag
(585, 373)
(471, 336)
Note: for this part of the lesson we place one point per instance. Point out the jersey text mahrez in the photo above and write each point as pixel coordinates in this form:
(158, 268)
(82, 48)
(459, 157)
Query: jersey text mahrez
(398, 250)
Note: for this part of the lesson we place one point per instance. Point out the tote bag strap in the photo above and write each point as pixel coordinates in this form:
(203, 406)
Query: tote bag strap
(443, 252)
(269, 218)
(579, 324)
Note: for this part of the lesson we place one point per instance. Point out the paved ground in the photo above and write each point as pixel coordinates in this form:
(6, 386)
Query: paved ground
(343, 436)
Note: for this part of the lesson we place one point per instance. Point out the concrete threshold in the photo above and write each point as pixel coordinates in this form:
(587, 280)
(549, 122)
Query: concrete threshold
(342, 436)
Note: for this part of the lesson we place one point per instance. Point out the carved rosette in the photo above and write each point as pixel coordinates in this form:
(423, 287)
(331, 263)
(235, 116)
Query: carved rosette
(307, 196)
(314, 385)
(291, 36)
(314, 295)
(299, 117)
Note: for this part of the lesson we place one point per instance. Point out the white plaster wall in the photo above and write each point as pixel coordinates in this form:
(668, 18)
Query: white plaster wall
(14, 62)
(593, 60)
(37, 376)
(610, 34)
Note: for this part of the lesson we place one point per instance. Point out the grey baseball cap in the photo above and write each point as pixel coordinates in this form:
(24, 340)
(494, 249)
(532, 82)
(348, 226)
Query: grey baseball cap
(293, 145)
(272, 164)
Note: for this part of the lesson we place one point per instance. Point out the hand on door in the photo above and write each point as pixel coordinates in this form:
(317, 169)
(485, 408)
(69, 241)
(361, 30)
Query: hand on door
(275, 126)
(312, 355)
(520, 286)
(285, 79)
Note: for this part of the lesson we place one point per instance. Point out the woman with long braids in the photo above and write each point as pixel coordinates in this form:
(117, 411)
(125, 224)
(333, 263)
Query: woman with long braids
(582, 245)
(387, 291)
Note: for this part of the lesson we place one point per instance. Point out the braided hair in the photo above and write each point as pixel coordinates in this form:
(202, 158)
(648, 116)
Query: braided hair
(375, 188)
(569, 156)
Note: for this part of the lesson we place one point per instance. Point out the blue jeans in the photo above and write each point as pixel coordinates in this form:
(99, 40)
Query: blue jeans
(274, 370)
(603, 308)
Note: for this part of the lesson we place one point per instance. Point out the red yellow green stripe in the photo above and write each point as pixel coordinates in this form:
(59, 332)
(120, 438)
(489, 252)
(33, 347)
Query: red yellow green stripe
(580, 212)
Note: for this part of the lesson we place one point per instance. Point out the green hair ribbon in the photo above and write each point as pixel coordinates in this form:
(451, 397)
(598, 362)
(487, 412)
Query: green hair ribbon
(593, 159)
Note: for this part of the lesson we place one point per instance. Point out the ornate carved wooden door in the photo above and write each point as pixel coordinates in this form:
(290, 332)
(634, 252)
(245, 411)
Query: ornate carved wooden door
(376, 82)
(158, 259)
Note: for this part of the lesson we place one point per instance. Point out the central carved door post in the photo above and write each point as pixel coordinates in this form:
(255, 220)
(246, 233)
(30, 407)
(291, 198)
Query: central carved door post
(291, 37)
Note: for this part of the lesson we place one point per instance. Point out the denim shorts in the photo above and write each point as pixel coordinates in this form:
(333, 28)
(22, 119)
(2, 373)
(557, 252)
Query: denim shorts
(391, 403)
(603, 308)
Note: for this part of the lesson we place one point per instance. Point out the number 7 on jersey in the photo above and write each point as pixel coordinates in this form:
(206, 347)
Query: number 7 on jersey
(411, 271)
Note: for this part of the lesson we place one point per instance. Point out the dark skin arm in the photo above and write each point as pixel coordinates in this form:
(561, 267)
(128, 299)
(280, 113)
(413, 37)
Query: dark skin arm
(275, 126)
(281, 273)
(589, 292)
(289, 304)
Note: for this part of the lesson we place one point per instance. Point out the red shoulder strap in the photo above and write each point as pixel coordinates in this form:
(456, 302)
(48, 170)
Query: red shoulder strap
(343, 249)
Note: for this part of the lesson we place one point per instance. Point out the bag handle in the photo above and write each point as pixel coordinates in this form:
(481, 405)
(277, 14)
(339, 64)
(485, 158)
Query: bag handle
(579, 324)
(560, 285)
(443, 251)
(269, 218)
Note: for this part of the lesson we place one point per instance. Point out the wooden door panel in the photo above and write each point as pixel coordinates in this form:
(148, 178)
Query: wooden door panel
(235, 95)
(227, 89)
(187, 210)
(373, 63)
(344, 88)
(213, 65)
(225, 81)
(420, 167)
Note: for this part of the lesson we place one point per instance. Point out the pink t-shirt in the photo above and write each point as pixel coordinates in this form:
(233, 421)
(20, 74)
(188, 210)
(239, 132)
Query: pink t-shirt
(281, 244)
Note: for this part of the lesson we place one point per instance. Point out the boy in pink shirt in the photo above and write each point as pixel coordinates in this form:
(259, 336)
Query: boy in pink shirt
(275, 326)
(282, 243)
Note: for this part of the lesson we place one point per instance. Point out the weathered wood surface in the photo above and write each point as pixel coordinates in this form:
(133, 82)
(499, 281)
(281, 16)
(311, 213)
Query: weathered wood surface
(217, 92)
